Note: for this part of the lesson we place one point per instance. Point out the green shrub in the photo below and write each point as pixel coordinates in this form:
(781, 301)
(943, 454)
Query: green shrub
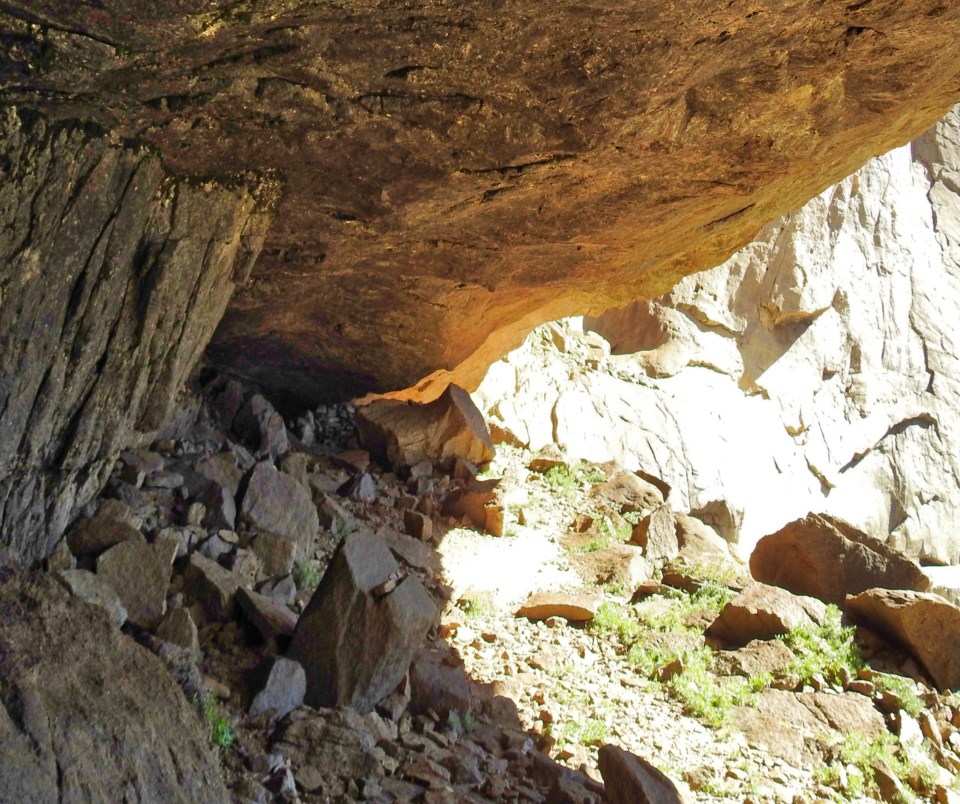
(307, 575)
(859, 754)
(827, 650)
(903, 689)
(219, 726)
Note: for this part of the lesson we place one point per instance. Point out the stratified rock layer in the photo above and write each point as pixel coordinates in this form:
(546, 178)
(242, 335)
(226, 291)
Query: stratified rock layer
(457, 173)
(112, 278)
(86, 714)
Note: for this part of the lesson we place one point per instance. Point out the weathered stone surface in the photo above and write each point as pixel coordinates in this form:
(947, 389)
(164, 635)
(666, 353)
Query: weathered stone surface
(828, 559)
(628, 493)
(761, 656)
(270, 618)
(85, 710)
(656, 534)
(113, 523)
(573, 606)
(212, 586)
(813, 371)
(629, 779)
(276, 504)
(471, 502)
(418, 525)
(222, 469)
(139, 578)
(698, 542)
(116, 274)
(94, 590)
(280, 685)
(178, 627)
(220, 507)
(405, 433)
(358, 634)
(437, 686)
(765, 612)
(924, 624)
(261, 427)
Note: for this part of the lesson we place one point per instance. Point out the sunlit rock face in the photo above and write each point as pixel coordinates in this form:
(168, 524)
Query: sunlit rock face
(457, 173)
(816, 370)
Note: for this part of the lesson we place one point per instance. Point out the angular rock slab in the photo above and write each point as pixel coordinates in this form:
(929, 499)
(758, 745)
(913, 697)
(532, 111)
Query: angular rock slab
(403, 434)
(84, 710)
(656, 533)
(576, 607)
(925, 624)
(629, 779)
(94, 590)
(140, 579)
(827, 558)
(359, 632)
(764, 612)
(281, 685)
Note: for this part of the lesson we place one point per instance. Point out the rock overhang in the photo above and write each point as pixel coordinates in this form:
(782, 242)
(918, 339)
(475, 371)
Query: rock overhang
(455, 175)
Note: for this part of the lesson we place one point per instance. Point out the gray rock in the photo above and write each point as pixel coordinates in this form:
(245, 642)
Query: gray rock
(656, 533)
(332, 516)
(212, 586)
(360, 486)
(178, 627)
(94, 590)
(276, 504)
(214, 547)
(222, 469)
(86, 711)
(280, 590)
(276, 555)
(114, 522)
(261, 428)
(355, 640)
(437, 686)
(270, 618)
(221, 507)
(136, 574)
(281, 685)
(167, 547)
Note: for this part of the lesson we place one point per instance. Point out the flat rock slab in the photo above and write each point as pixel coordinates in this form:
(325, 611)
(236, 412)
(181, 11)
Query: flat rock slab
(277, 504)
(95, 590)
(576, 607)
(829, 559)
(140, 579)
(84, 710)
(270, 618)
(280, 684)
(925, 624)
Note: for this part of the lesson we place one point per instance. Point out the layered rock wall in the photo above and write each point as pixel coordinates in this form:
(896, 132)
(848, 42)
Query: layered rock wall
(113, 276)
(816, 370)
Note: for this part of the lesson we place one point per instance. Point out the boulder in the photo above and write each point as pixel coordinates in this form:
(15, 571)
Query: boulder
(757, 657)
(220, 507)
(437, 685)
(628, 493)
(276, 504)
(140, 579)
(261, 428)
(764, 612)
(473, 502)
(925, 624)
(114, 522)
(358, 634)
(178, 628)
(271, 619)
(87, 714)
(212, 586)
(94, 590)
(656, 533)
(280, 685)
(828, 559)
(402, 434)
(698, 542)
(222, 469)
(573, 606)
(629, 779)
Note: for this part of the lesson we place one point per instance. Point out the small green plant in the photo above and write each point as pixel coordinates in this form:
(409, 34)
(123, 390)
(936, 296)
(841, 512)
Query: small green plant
(903, 689)
(613, 619)
(307, 575)
(702, 694)
(716, 572)
(475, 607)
(592, 731)
(220, 728)
(470, 722)
(857, 757)
(607, 534)
(827, 650)
(565, 480)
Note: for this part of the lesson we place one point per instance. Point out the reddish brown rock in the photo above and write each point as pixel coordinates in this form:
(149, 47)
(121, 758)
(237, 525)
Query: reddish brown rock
(765, 612)
(656, 533)
(828, 559)
(629, 779)
(471, 502)
(573, 606)
(925, 624)
(405, 433)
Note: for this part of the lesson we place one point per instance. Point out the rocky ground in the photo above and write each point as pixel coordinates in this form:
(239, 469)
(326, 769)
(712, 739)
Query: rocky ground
(544, 631)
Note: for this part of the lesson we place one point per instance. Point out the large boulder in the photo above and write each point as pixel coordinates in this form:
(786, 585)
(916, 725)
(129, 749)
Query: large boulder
(358, 634)
(277, 505)
(140, 578)
(629, 779)
(828, 559)
(86, 714)
(925, 624)
(765, 612)
(405, 433)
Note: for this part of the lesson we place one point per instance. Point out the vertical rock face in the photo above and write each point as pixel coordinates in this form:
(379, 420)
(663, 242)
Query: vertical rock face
(816, 370)
(113, 276)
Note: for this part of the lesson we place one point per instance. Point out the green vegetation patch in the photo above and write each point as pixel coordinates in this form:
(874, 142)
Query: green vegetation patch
(827, 650)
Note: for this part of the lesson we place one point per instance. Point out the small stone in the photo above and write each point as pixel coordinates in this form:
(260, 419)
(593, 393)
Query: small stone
(179, 628)
(270, 618)
(212, 586)
(196, 511)
(572, 606)
(418, 525)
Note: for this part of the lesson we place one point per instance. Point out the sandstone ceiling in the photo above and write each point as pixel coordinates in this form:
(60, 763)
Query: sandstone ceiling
(457, 172)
